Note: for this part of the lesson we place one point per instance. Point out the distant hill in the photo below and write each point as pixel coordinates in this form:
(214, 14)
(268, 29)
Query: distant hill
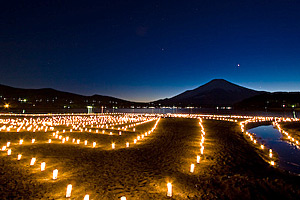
(217, 92)
(270, 100)
(50, 99)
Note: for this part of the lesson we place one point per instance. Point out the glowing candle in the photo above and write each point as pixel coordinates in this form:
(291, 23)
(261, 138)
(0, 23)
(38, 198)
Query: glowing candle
(67, 138)
(134, 141)
(69, 191)
(138, 137)
(120, 133)
(127, 144)
(198, 159)
(3, 148)
(262, 146)
(55, 173)
(169, 193)
(272, 163)
(202, 149)
(19, 157)
(110, 133)
(86, 197)
(60, 137)
(270, 155)
(113, 145)
(78, 141)
(94, 144)
(21, 141)
(123, 198)
(9, 152)
(85, 142)
(49, 141)
(43, 166)
(8, 144)
(32, 161)
(192, 168)
(133, 129)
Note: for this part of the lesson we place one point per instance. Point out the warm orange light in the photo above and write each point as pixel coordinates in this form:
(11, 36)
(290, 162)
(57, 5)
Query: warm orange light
(272, 163)
(169, 186)
(32, 161)
(198, 159)
(43, 166)
(9, 152)
(55, 173)
(69, 191)
(192, 168)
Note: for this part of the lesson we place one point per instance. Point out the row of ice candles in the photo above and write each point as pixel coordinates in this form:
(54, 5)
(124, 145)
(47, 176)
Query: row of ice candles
(192, 168)
(76, 127)
(94, 143)
(78, 140)
(242, 125)
(289, 137)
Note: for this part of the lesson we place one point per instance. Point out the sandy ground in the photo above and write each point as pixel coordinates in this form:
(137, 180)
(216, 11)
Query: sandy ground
(230, 169)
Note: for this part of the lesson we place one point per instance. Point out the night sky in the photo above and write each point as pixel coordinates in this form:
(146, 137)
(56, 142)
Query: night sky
(146, 50)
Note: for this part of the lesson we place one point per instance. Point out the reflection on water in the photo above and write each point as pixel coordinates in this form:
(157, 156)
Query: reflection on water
(289, 154)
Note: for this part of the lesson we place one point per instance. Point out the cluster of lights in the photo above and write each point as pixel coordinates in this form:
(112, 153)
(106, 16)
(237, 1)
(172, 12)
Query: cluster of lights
(46, 124)
(92, 124)
(192, 167)
(198, 158)
(288, 136)
(141, 137)
(113, 145)
(255, 141)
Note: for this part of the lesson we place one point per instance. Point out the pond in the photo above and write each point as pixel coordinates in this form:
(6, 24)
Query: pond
(289, 154)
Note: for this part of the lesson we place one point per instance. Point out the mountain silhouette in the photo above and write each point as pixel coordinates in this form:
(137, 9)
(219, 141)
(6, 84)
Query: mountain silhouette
(217, 92)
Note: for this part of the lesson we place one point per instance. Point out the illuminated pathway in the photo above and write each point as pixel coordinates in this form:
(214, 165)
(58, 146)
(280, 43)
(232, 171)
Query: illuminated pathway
(230, 166)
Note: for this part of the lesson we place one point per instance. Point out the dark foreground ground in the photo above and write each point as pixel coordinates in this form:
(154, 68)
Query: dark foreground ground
(230, 169)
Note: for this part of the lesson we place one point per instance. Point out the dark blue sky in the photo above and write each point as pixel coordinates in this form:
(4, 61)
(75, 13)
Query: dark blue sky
(146, 50)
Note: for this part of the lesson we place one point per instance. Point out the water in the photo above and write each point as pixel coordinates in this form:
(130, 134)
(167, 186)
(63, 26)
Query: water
(201, 111)
(289, 154)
